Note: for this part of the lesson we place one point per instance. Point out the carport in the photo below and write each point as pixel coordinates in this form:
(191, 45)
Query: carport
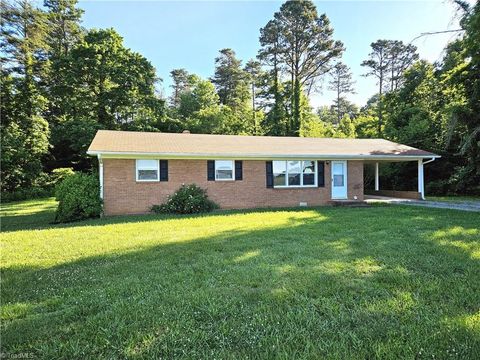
(417, 194)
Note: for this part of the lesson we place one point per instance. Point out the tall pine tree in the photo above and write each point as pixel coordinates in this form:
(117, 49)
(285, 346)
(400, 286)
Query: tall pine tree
(341, 82)
(230, 80)
(303, 45)
(24, 131)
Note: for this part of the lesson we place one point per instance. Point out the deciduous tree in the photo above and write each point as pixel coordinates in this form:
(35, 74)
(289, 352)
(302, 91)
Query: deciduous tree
(109, 87)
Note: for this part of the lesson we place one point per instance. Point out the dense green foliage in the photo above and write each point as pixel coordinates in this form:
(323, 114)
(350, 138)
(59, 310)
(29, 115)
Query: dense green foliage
(60, 174)
(24, 130)
(188, 199)
(237, 285)
(78, 198)
(434, 107)
(43, 186)
(61, 83)
(32, 192)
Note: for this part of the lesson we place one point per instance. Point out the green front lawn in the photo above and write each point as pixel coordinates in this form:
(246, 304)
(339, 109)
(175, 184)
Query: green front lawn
(28, 214)
(454, 198)
(384, 282)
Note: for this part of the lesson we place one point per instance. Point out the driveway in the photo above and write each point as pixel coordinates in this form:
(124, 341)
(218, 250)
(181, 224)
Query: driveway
(460, 205)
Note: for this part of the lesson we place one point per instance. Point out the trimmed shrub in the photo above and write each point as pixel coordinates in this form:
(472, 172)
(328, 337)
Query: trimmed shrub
(60, 174)
(79, 198)
(188, 199)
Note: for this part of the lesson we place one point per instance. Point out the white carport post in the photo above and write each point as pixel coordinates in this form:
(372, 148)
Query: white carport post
(421, 184)
(377, 177)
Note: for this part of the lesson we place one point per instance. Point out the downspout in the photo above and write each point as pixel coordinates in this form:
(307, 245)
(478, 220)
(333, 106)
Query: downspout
(100, 174)
(429, 161)
(421, 180)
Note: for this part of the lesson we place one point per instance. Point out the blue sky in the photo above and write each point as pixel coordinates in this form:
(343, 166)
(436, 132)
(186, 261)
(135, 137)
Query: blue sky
(188, 34)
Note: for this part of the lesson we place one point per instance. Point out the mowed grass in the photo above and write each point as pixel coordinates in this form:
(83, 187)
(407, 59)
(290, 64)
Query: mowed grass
(454, 198)
(27, 214)
(383, 282)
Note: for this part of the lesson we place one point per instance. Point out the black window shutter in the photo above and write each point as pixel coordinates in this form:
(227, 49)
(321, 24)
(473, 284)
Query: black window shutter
(238, 170)
(163, 170)
(269, 168)
(211, 170)
(321, 173)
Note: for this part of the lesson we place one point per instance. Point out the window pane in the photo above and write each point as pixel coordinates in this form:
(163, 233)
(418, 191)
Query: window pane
(279, 171)
(147, 175)
(293, 179)
(294, 167)
(224, 165)
(147, 170)
(279, 167)
(308, 167)
(224, 174)
(224, 169)
(338, 174)
(278, 179)
(308, 179)
(337, 180)
(337, 168)
(147, 164)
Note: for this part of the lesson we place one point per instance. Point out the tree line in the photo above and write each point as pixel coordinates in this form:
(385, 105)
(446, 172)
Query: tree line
(61, 83)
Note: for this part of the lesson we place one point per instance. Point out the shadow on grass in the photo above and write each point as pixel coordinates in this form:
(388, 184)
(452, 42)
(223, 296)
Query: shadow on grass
(43, 219)
(31, 214)
(313, 288)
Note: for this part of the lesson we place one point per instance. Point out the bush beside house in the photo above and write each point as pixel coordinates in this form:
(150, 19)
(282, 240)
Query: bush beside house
(188, 199)
(79, 198)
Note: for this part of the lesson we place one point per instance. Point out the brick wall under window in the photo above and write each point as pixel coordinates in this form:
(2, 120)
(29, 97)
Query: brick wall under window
(123, 195)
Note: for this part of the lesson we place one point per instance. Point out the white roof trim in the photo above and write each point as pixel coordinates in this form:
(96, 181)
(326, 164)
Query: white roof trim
(134, 155)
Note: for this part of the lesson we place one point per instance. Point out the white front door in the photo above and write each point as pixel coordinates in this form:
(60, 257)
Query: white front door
(339, 180)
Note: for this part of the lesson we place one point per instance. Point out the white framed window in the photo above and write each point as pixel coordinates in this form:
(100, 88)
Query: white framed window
(294, 173)
(147, 170)
(224, 170)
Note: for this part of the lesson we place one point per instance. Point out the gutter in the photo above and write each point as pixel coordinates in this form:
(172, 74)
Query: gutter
(134, 155)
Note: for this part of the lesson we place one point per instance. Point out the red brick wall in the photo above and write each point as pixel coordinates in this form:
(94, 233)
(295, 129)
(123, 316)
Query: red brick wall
(123, 195)
(397, 194)
(355, 180)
